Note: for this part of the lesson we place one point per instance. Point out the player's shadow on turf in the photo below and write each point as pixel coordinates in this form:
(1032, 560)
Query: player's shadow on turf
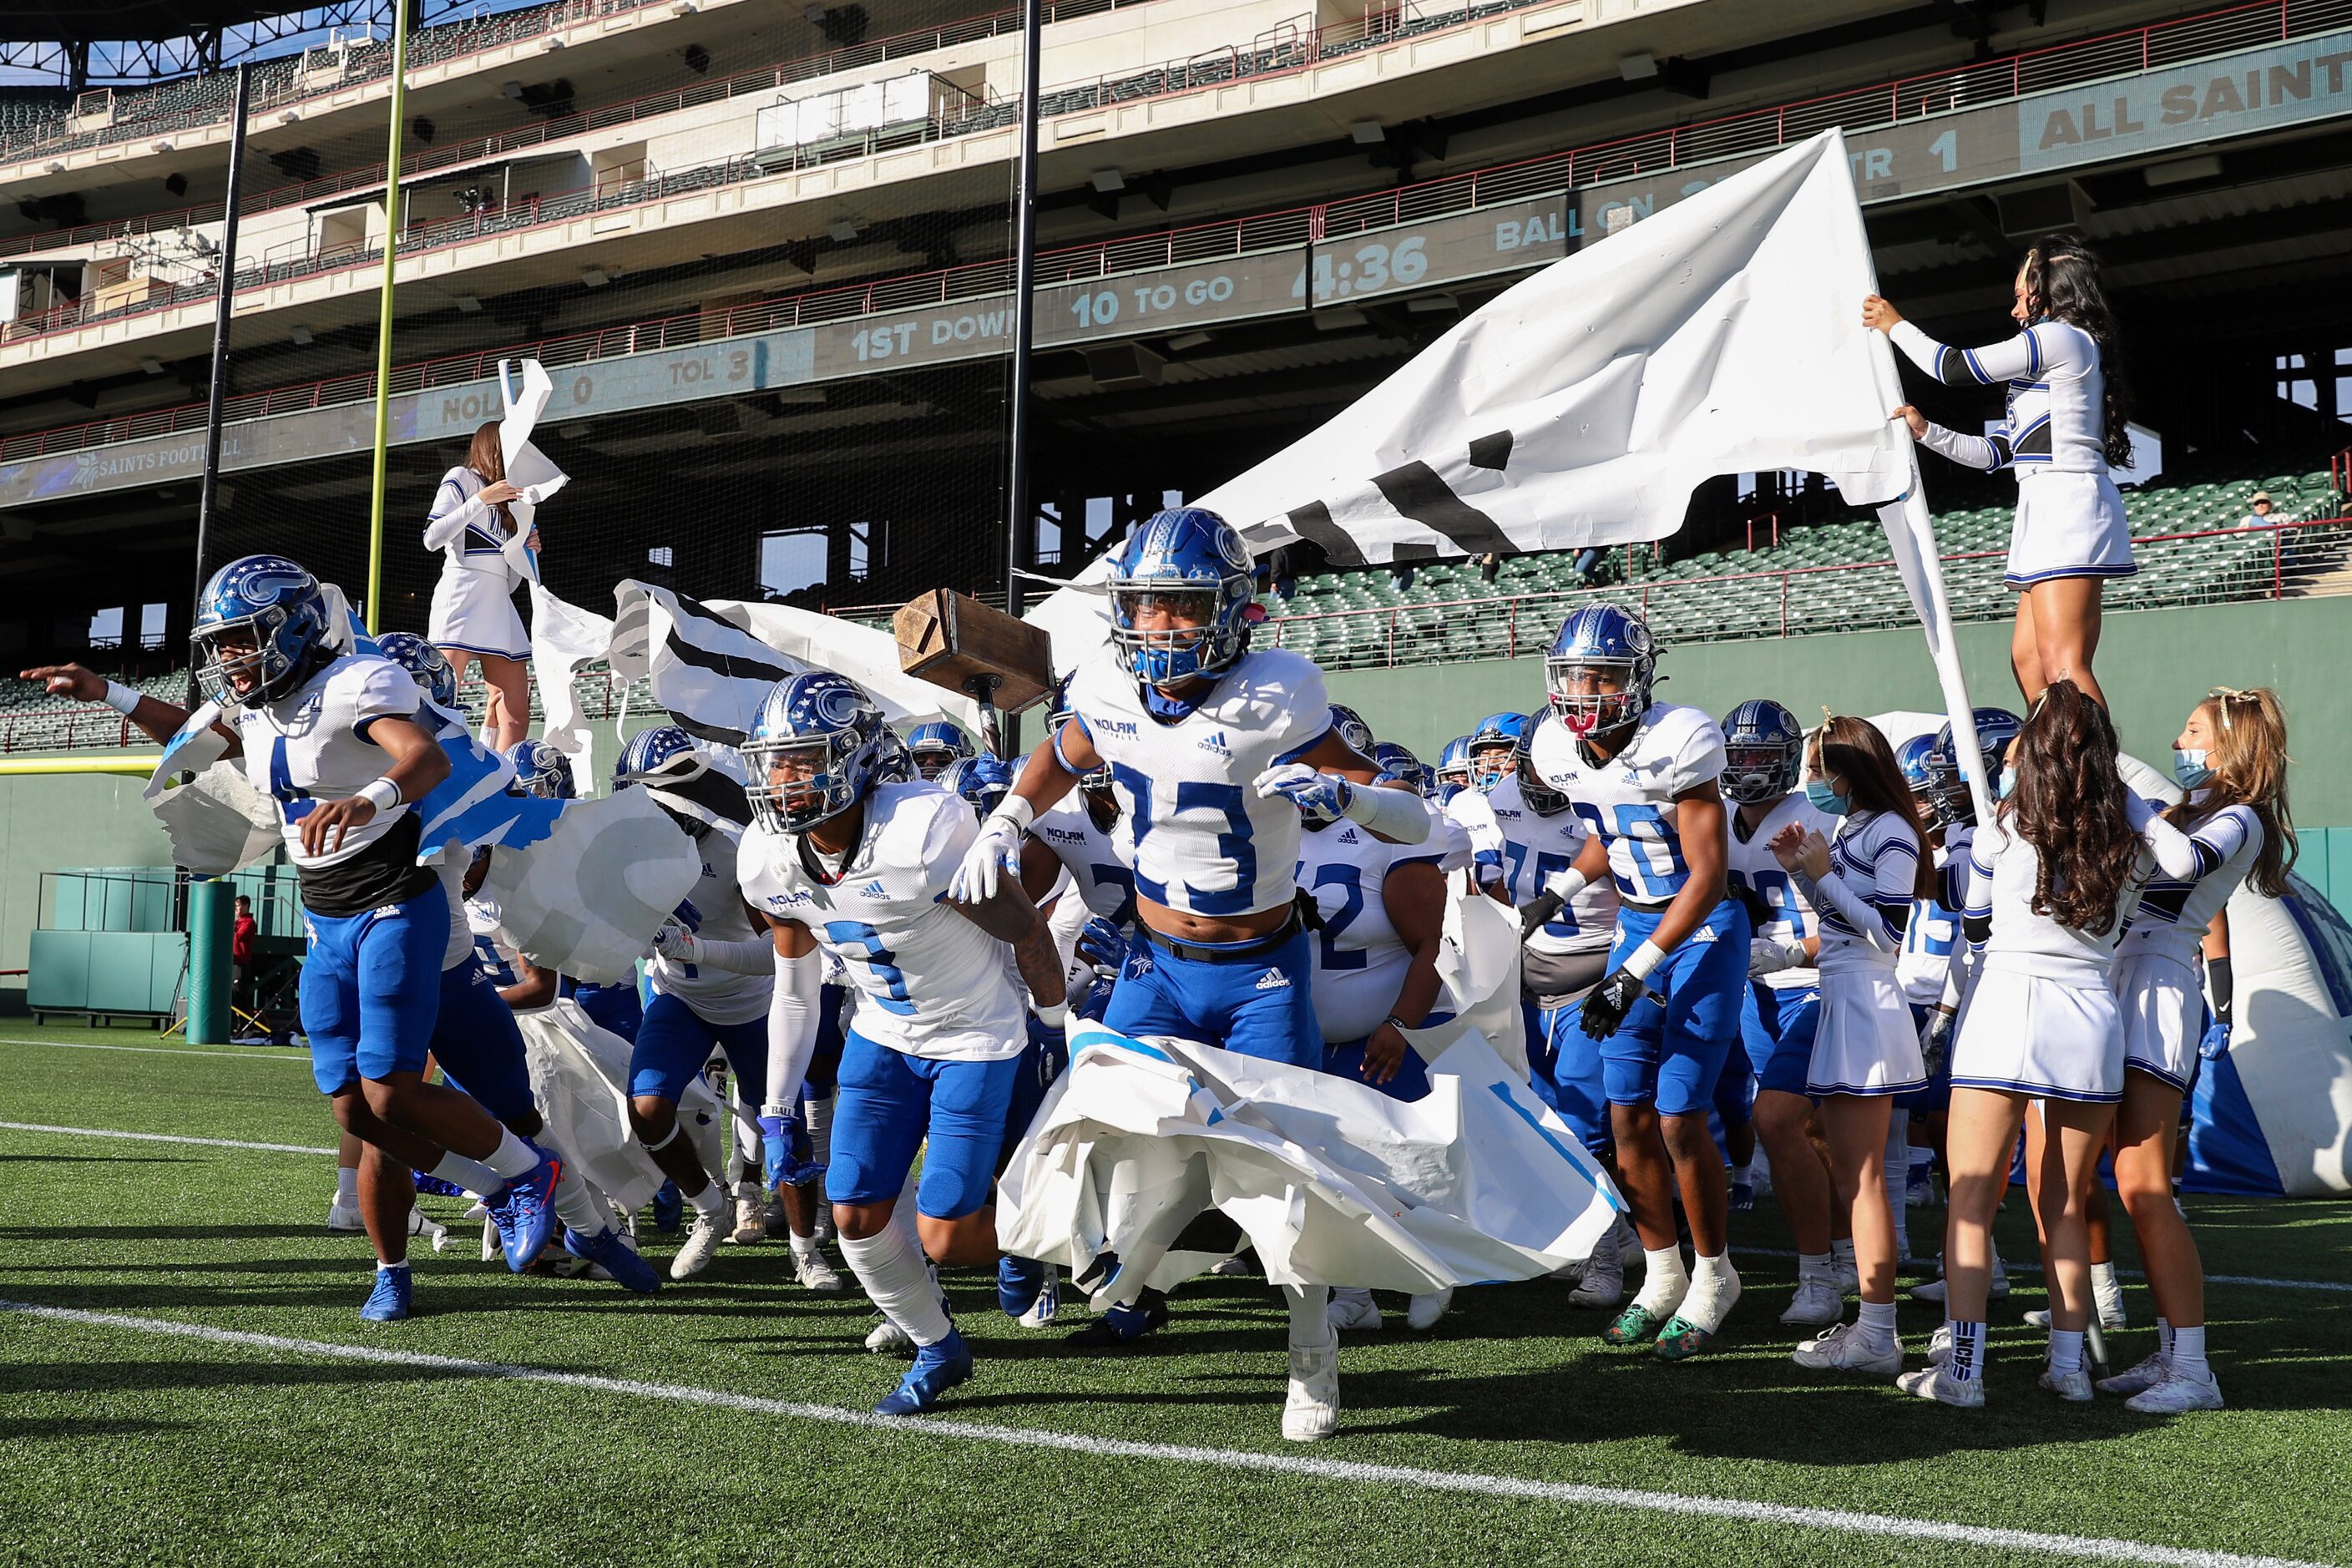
(80, 1428)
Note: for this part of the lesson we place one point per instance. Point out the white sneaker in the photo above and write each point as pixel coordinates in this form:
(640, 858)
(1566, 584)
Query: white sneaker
(1937, 1383)
(1939, 1345)
(1311, 1409)
(1844, 1349)
(1353, 1312)
(815, 1271)
(750, 1225)
(1816, 1305)
(2107, 1292)
(888, 1338)
(1422, 1311)
(344, 1219)
(491, 1246)
(2074, 1385)
(421, 1224)
(702, 1241)
(1049, 1304)
(2175, 1394)
(2138, 1379)
(1603, 1283)
(2038, 1318)
(1932, 1290)
(1231, 1268)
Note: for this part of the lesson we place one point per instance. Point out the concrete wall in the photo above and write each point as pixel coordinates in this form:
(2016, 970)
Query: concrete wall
(2155, 665)
(54, 824)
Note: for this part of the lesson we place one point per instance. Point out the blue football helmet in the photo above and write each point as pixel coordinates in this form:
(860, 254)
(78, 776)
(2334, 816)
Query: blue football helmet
(653, 755)
(1598, 644)
(937, 746)
(1097, 778)
(1190, 562)
(1492, 746)
(1453, 762)
(1996, 728)
(828, 722)
(1912, 756)
(1400, 763)
(541, 769)
(1353, 730)
(1763, 751)
(1541, 798)
(982, 781)
(272, 605)
(423, 660)
(893, 763)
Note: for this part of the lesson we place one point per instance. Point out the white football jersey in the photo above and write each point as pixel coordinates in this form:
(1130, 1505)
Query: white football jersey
(309, 746)
(1205, 843)
(1630, 799)
(1875, 855)
(461, 946)
(1472, 812)
(1928, 944)
(1100, 865)
(2005, 869)
(714, 910)
(1533, 847)
(927, 980)
(1750, 863)
(2173, 914)
(1360, 961)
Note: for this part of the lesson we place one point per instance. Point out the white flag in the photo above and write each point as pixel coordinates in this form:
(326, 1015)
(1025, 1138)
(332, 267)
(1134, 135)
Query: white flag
(564, 638)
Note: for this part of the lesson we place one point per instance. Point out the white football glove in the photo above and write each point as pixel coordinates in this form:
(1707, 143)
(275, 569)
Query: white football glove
(1320, 796)
(1770, 956)
(675, 942)
(998, 846)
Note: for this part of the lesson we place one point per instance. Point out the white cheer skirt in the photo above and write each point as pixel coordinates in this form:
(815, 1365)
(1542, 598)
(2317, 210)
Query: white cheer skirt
(1866, 1043)
(2068, 525)
(2026, 1033)
(476, 611)
(2163, 1009)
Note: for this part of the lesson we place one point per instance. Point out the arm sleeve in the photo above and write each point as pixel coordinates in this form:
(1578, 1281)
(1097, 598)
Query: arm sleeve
(1877, 922)
(2188, 856)
(454, 511)
(1991, 453)
(792, 1029)
(2218, 981)
(1400, 815)
(2018, 359)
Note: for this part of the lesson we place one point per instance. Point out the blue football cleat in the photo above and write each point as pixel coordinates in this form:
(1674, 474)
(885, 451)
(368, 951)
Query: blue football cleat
(437, 1186)
(615, 1257)
(669, 1207)
(1018, 1282)
(937, 1368)
(1119, 1327)
(388, 1302)
(1740, 1197)
(524, 1212)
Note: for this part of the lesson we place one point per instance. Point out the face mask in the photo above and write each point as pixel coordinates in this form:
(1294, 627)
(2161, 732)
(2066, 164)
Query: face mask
(2008, 786)
(2189, 769)
(1826, 799)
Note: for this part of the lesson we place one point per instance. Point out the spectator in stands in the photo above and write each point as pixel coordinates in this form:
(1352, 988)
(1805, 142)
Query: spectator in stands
(2261, 515)
(1282, 574)
(474, 614)
(2065, 432)
(1400, 574)
(241, 956)
(1588, 563)
(1489, 565)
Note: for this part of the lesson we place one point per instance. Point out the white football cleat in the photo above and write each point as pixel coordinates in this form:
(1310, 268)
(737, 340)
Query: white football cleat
(2138, 1379)
(1353, 1312)
(2175, 1394)
(1817, 1304)
(1937, 1383)
(1049, 1304)
(751, 1224)
(701, 1242)
(344, 1219)
(1603, 1282)
(1232, 1267)
(888, 1338)
(815, 1271)
(1311, 1409)
(1844, 1349)
(1422, 1311)
(2072, 1385)
(2038, 1318)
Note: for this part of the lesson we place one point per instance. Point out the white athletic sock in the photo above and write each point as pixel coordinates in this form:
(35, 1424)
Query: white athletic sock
(1713, 1286)
(1665, 1281)
(1967, 1363)
(576, 1204)
(1842, 1250)
(2066, 1350)
(1815, 1265)
(817, 1116)
(1743, 1175)
(2163, 1338)
(2187, 1354)
(401, 1267)
(1877, 1324)
(1311, 1314)
(899, 1284)
(471, 1174)
(712, 1199)
(513, 1157)
(2103, 1278)
(802, 1244)
(1894, 1168)
(347, 1185)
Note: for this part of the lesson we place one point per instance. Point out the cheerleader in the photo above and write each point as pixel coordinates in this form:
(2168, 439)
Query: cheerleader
(2066, 431)
(474, 615)
(1865, 1050)
(2053, 879)
(2232, 827)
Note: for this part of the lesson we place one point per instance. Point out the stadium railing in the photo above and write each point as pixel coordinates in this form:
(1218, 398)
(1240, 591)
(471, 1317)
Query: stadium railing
(2157, 45)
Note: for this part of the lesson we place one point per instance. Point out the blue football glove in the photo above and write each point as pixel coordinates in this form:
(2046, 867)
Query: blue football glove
(1102, 944)
(2216, 1043)
(781, 1163)
(1319, 797)
(1053, 1051)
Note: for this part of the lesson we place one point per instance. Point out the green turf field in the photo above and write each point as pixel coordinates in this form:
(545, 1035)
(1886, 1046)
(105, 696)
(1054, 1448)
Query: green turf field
(120, 1443)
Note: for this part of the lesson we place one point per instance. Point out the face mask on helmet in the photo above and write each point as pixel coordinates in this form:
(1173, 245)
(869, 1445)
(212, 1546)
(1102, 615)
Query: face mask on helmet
(1179, 594)
(260, 631)
(1595, 697)
(1753, 774)
(1541, 798)
(813, 751)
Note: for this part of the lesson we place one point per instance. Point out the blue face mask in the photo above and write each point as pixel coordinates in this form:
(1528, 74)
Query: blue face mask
(2189, 768)
(1826, 799)
(2008, 786)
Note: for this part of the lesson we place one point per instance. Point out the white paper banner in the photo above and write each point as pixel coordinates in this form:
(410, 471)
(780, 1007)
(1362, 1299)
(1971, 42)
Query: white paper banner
(587, 899)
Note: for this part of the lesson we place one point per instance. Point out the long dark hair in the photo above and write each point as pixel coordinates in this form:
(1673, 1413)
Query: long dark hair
(2250, 762)
(488, 456)
(1857, 751)
(2069, 804)
(2062, 282)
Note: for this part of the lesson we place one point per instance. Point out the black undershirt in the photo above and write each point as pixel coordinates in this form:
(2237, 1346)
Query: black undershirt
(385, 872)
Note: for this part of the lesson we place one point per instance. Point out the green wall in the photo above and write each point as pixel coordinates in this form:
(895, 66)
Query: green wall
(2155, 665)
(55, 823)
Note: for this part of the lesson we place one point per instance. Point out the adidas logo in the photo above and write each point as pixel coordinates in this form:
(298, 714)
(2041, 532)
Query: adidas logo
(1274, 980)
(872, 890)
(1349, 836)
(1216, 743)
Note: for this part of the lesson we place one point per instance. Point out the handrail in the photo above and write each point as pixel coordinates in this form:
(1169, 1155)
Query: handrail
(1445, 194)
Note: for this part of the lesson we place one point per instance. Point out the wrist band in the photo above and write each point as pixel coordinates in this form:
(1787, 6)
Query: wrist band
(1014, 809)
(381, 793)
(1401, 1024)
(1644, 961)
(119, 697)
(1053, 1014)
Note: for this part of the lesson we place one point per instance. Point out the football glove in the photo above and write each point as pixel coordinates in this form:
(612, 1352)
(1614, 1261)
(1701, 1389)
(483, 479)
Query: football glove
(1537, 911)
(1770, 956)
(780, 1164)
(1102, 944)
(998, 847)
(2216, 1043)
(1053, 1051)
(675, 942)
(1935, 1040)
(1609, 1002)
(1319, 797)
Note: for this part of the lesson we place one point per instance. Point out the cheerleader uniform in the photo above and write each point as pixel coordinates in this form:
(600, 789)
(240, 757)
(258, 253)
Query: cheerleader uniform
(2070, 519)
(2042, 1017)
(473, 604)
(1864, 1043)
(2159, 963)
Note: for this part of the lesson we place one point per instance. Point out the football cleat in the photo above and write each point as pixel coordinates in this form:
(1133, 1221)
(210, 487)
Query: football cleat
(887, 1337)
(1934, 1383)
(1422, 1311)
(1843, 1349)
(616, 1258)
(1018, 1282)
(1815, 1305)
(344, 1219)
(1310, 1410)
(937, 1368)
(1636, 1325)
(1049, 1304)
(2138, 1379)
(1233, 1267)
(1353, 1312)
(2177, 1395)
(1741, 1198)
(814, 1270)
(750, 1225)
(1681, 1338)
(1117, 1328)
(701, 1243)
(389, 1301)
(524, 1212)
(669, 1207)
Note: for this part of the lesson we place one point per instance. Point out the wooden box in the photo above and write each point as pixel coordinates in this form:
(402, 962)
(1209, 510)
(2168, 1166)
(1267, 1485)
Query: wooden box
(952, 640)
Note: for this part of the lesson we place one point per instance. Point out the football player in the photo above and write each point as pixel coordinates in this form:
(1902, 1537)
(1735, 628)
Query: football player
(1494, 748)
(937, 746)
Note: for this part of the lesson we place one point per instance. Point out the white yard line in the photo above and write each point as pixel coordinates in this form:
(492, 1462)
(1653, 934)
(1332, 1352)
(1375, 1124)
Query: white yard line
(253, 1056)
(160, 1138)
(1838, 1520)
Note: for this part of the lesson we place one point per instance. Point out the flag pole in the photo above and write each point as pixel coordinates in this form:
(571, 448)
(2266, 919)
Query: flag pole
(1017, 509)
(208, 485)
(384, 314)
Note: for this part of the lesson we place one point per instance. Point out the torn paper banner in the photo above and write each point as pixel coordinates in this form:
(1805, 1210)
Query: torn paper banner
(528, 469)
(217, 822)
(579, 1076)
(564, 639)
(587, 899)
